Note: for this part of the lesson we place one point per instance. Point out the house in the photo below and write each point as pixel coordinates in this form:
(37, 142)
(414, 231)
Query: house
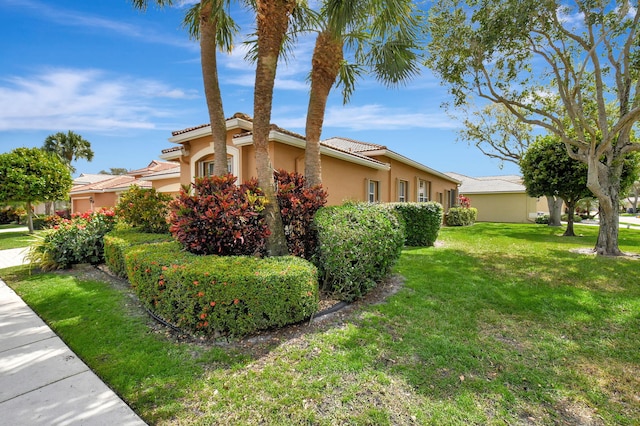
(500, 198)
(91, 191)
(351, 170)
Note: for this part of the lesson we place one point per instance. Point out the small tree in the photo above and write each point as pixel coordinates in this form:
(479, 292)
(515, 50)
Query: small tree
(32, 175)
(548, 169)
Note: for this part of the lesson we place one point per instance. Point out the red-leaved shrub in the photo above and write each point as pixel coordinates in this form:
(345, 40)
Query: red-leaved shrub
(298, 205)
(220, 217)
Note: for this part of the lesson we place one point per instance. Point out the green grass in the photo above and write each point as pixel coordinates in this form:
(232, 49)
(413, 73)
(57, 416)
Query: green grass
(501, 324)
(11, 240)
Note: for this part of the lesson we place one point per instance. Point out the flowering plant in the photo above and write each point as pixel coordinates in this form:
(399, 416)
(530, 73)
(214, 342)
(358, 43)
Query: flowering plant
(73, 241)
(464, 202)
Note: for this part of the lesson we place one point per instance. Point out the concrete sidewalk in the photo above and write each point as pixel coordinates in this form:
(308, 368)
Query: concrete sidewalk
(42, 382)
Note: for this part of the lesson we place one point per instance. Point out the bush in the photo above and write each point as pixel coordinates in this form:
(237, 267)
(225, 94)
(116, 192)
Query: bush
(79, 240)
(358, 244)
(422, 222)
(145, 209)
(118, 241)
(543, 219)
(461, 216)
(222, 295)
(8, 215)
(298, 205)
(220, 218)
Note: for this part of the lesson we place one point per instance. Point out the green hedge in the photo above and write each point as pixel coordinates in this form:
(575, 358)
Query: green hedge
(116, 242)
(422, 222)
(358, 244)
(461, 216)
(222, 295)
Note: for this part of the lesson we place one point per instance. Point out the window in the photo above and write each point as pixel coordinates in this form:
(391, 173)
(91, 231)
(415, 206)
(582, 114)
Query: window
(403, 187)
(373, 191)
(206, 167)
(424, 190)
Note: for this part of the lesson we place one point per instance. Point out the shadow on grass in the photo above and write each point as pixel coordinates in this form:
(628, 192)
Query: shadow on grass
(514, 328)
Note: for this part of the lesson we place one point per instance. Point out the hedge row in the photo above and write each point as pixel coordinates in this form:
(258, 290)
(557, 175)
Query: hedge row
(422, 222)
(461, 216)
(222, 295)
(116, 242)
(358, 244)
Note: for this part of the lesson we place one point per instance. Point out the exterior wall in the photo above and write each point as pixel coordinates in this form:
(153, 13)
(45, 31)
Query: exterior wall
(342, 179)
(169, 186)
(80, 204)
(509, 207)
(347, 181)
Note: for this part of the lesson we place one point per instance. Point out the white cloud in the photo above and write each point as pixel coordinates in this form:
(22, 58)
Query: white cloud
(68, 17)
(374, 117)
(83, 99)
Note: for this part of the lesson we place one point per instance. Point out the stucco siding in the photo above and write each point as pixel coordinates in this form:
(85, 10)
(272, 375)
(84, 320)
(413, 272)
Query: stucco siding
(510, 208)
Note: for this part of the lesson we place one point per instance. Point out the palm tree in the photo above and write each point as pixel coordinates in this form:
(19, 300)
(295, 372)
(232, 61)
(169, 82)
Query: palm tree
(382, 35)
(272, 18)
(69, 147)
(209, 22)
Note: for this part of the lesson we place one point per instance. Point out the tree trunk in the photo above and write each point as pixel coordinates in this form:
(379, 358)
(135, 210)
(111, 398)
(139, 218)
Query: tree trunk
(571, 206)
(30, 217)
(604, 181)
(47, 208)
(325, 65)
(272, 23)
(555, 210)
(212, 89)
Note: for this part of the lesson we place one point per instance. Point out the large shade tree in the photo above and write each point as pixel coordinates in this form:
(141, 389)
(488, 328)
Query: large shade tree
(380, 36)
(31, 175)
(563, 63)
(499, 134)
(68, 147)
(547, 169)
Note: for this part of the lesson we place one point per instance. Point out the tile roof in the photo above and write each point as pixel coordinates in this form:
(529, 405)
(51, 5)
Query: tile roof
(86, 178)
(154, 167)
(351, 145)
(110, 185)
(489, 184)
(240, 115)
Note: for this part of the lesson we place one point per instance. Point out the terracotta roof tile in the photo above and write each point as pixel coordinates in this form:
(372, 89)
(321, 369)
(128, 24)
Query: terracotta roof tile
(115, 183)
(351, 145)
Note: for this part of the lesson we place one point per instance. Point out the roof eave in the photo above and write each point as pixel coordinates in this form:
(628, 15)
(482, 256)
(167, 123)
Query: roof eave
(276, 136)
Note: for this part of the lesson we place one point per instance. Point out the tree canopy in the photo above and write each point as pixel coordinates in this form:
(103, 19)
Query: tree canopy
(547, 169)
(32, 175)
(568, 67)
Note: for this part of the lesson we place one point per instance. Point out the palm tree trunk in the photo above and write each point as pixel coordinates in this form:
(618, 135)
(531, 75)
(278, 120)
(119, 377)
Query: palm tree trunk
(272, 24)
(326, 60)
(212, 89)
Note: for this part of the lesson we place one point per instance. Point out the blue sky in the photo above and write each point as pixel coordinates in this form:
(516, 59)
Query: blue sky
(124, 79)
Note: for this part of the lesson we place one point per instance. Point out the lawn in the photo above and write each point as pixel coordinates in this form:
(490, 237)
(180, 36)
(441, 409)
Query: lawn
(498, 324)
(18, 239)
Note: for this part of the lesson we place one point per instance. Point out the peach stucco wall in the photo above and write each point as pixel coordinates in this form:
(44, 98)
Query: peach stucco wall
(342, 179)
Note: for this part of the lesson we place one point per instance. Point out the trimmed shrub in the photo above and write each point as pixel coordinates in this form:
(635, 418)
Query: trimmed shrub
(298, 205)
(358, 244)
(118, 241)
(145, 209)
(79, 240)
(542, 220)
(461, 216)
(422, 222)
(222, 295)
(220, 218)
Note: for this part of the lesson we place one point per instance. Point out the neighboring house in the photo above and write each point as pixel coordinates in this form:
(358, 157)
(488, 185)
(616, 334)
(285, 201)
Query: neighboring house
(91, 192)
(351, 170)
(500, 198)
